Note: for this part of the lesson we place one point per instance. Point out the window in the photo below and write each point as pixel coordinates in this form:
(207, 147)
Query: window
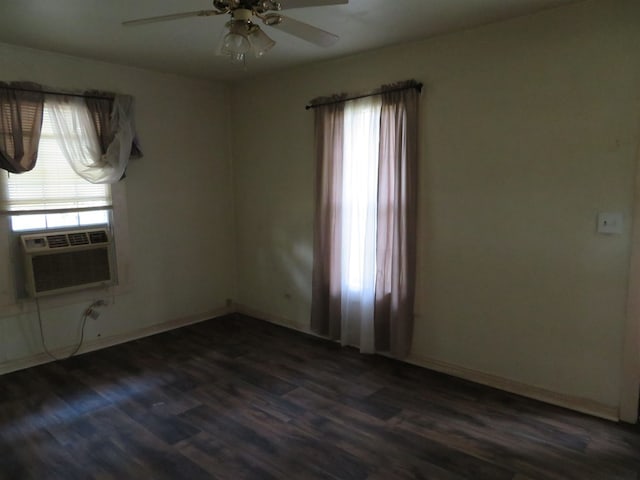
(52, 195)
(363, 283)
(89, 136)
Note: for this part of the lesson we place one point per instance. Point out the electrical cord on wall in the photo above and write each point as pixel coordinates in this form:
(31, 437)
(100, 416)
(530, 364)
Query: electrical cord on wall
(88, 312)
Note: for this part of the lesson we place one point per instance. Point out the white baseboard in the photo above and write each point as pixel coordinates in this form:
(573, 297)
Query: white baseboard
(275, 319)
(578, 404)
(567, 401)
(104, 342)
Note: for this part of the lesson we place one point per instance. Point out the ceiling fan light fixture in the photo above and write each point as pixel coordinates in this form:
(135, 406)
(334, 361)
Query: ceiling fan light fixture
(235, 41)
(238, 58)
(261, 43)
(243, 37)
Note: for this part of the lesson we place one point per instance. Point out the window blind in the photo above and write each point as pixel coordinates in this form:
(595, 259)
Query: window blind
(52, 184)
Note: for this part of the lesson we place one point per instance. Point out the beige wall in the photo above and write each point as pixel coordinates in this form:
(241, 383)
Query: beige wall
(529, 128)
(179, 205)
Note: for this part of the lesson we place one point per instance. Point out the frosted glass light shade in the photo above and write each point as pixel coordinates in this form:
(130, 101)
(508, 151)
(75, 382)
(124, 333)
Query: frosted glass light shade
(241, 39)
(234, 43)
(260, 41)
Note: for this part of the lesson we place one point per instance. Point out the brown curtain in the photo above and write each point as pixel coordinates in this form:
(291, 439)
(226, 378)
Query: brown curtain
(396, 227)
(326, 288)
(100, 105)
(396, 218)
(20, 125)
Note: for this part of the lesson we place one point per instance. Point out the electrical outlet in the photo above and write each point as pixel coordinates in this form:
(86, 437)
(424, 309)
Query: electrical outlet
(92, 312)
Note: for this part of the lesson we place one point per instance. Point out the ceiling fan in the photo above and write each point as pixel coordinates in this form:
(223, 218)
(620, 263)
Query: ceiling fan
(243, 36)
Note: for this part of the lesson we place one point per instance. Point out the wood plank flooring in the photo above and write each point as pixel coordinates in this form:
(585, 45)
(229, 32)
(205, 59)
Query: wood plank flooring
(237, 398)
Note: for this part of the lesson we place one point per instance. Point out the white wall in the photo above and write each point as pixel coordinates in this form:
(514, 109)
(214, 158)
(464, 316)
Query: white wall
(179, 205)
(529, 128)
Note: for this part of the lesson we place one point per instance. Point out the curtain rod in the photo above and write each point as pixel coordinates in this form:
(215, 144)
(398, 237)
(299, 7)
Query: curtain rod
(53, 92)
(417, 86)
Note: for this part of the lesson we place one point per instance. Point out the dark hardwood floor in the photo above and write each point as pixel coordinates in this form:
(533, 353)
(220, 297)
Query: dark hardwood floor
(237, 398)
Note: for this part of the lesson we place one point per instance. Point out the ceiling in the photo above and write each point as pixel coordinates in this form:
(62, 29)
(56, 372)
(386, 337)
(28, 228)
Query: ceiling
(92, 29)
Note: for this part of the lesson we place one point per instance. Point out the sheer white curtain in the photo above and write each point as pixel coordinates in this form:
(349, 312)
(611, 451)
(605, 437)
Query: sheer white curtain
(75, 133)
(79, 140)
(359, 210)
(364, 252)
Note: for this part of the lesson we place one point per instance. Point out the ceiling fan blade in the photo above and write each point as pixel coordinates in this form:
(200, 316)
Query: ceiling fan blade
(306, 32)
(287, 4)
(174, 16)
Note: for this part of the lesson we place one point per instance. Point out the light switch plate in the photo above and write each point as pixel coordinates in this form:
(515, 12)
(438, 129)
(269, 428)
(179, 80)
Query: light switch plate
(610, 223)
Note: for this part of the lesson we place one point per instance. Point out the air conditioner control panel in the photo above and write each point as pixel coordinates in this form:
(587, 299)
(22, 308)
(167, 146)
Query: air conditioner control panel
(34, 243)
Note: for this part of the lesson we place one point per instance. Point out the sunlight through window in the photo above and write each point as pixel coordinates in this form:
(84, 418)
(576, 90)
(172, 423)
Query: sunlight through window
(359, 194)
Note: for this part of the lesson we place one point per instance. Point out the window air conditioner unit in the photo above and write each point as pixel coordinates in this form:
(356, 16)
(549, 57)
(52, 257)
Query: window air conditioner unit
(60, 262)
